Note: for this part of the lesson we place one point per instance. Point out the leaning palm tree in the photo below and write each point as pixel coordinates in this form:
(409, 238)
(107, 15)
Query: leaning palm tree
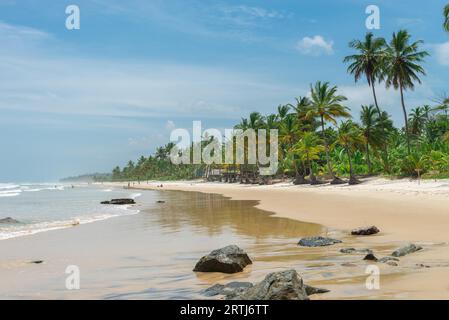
(326, 106)
(446, 18)
(308, 148)
(402, 65)
(350, 138)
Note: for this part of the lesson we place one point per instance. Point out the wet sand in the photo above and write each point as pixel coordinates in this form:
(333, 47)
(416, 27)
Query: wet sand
(151, 255)
(405, 211)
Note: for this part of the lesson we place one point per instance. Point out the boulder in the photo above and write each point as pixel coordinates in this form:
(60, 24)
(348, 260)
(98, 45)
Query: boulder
(9, 220)
(370, 257)
(356, 251)
(365, 231)
(283, 285)
(120, 202)
(230, 259)
(160, 201)
(229, 290)
(410, 248)
(388, 259)
(37, 262)
(317, 242)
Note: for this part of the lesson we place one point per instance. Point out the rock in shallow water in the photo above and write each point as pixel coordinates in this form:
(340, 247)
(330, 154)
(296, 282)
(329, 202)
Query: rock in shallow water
(410, 248)
(365, 231)
(370, 257)
(284, 285)
(313, 290)
(120, 201)
(388, 259)
(317, 242)
(230, 259)
(9, 220)
(229, 290)
(356, 251)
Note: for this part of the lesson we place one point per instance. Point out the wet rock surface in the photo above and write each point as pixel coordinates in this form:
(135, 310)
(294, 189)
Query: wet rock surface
(317, 242)
(230, 259)
(284, 285)
(405, 250)
(365, 231)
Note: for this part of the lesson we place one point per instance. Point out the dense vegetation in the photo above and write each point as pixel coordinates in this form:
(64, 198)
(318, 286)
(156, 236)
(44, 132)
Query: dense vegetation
(320, 138)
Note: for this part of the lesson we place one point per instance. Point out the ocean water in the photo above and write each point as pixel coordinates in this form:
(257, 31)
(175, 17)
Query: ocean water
(50, 206)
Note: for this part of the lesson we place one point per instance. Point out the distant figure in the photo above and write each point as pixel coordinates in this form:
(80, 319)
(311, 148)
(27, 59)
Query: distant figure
(129, 185)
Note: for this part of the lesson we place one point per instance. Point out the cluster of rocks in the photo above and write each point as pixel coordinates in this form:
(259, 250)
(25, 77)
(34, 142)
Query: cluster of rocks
(120, 202)
(284, 285)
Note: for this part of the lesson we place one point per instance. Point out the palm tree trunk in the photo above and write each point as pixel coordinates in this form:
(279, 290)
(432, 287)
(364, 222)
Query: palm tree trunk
(352, 179)
(368, 160)
(404, 110)
(312, 176)
(328, 158)
(385, 145)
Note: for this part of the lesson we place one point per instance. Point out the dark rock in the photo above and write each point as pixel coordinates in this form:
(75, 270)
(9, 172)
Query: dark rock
(120, 201)
(230, 259)
(229, 290)
(388, 259)
(370, 257)
(365, 231)
(313, 290)
(420, 265)
(37, 261)
(284, 285)
(160, 201)
(317, 242)
(9, 220)
(356, 251)
(410, 248)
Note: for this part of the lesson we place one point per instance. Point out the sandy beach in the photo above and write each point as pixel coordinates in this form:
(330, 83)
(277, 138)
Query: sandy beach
(406, 211)
(140, 256)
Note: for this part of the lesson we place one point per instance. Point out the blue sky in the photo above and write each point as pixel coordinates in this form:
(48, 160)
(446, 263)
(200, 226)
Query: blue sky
(85, 100)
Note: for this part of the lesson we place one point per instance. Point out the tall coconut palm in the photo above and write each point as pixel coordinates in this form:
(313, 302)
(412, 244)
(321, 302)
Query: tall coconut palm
(446, 18)
(402, 65)
(350, 138)
(308, 148)
(372, 130)
(368, 62)
(326, 106)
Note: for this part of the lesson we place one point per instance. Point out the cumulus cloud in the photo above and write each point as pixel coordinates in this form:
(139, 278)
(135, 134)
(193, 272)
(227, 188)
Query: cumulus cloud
(315, 46)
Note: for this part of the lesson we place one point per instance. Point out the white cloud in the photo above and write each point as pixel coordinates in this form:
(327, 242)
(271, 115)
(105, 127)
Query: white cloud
(315, 46)
(442, 53)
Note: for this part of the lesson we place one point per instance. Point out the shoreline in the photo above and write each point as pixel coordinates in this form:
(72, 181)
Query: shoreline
(405, 212)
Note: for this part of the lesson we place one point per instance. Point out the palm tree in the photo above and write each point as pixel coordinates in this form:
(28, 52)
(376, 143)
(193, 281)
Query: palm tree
(350, 138)
(417, 120)
(308, 148)
(327, 106)
(368, 62)
(372, 130)
(446, 18)
(402, 68)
